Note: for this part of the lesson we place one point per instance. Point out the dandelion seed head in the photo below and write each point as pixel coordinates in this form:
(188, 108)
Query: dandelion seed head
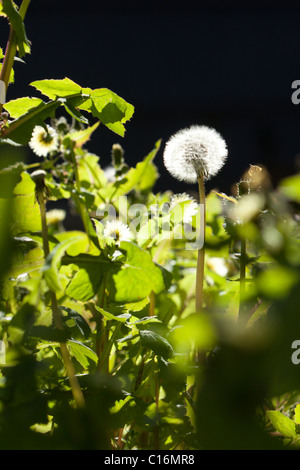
(117, 230)
(195, 151)
(43, 142)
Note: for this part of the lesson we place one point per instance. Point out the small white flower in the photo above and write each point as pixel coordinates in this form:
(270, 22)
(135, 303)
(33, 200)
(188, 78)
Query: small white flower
(190, 208)
(43, 142)
(117, 230)
(195, 151)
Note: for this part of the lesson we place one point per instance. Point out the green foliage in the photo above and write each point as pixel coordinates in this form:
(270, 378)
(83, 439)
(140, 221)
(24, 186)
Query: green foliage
(108, 311)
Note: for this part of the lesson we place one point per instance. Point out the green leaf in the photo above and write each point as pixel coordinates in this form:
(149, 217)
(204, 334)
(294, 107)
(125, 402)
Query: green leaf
(20, 106)
(109, 108)
(277, 281)
(70, 107)
(78, 319)
(86, 282)
(20, 130)
(52, 263)
(90, 173)
(11, 75)
(82, 136)
(82, 353)
(17, 24)
(297, 414)
(48, 333)
(157, 344)
(282, 424)
(109, 316)
(138, 277)
(25, 216)
(57, 88)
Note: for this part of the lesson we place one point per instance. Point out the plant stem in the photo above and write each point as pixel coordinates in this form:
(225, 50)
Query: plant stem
(152, 305)
(11, 49)
(57, 320)
(201, 251)
(156, 429)
(242, 277)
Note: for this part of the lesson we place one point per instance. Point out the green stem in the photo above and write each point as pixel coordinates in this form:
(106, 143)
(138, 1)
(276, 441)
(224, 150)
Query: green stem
(242, 277)
(152, 305)
(107, 348)
(156, 429)
(57, 320)
(201, 251)
(11, 50)
(80, 206)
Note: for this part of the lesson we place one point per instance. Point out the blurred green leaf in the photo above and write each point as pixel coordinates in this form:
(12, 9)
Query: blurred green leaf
(282, 424)
(26, 213)
(290, 187)
(277, 281)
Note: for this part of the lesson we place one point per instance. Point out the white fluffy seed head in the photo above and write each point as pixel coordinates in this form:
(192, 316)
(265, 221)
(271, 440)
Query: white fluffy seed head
(195, 151)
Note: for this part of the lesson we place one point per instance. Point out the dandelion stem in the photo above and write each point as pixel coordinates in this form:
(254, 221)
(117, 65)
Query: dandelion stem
(57, 320)
(242, 276)
(201, 251)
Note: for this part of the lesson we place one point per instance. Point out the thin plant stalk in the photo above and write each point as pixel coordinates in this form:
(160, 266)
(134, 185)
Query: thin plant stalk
(201, 251)
(242, 277)
(11, 49)
(156, 428)
(57, 320)
(152, 304)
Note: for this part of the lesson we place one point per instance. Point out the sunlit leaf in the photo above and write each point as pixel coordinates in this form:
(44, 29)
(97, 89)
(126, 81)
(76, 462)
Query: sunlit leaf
(57, 88)
(282, 424)
(138, 277)
(82, 353)
(20, 106)
(52, 262)
(290, 187)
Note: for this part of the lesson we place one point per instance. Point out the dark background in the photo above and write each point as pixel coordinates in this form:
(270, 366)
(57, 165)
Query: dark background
(226, 64)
